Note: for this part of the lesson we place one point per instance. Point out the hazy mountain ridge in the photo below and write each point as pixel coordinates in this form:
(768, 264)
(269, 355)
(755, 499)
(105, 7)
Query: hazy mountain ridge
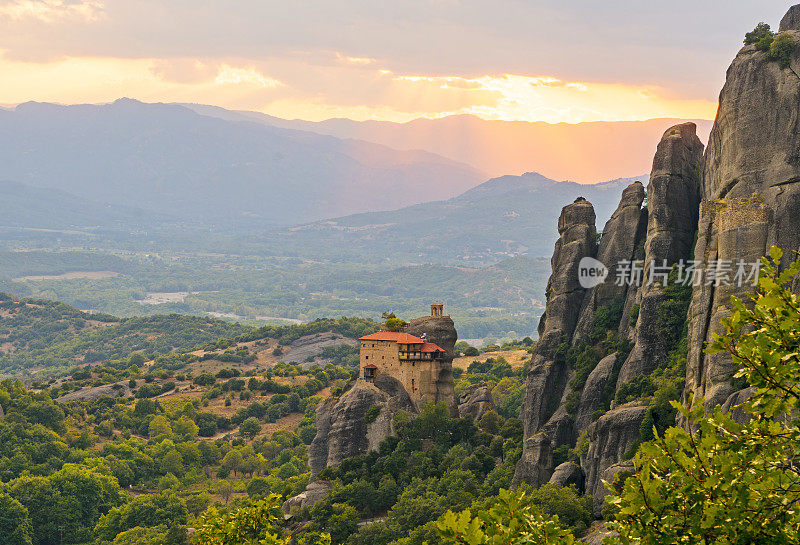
(502, 217)
(168, 159)
(584, 152)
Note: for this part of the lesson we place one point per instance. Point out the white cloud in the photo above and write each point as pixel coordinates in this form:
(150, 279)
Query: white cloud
(229, 75)
(52, 11)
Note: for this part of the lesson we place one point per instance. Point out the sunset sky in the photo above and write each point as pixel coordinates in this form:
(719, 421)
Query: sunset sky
(502, 59)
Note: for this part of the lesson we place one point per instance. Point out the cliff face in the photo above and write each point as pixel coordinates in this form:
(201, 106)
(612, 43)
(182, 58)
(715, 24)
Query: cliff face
(673, 199)
(621, 235)
(442, 331)
(719, 209)
(342, 427)
(751, 192)
(547, 376)
(564, 402)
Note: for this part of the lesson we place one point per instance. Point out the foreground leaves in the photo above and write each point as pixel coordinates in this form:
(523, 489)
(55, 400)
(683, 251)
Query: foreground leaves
(255, 524)
(718, 480)
(512, 521)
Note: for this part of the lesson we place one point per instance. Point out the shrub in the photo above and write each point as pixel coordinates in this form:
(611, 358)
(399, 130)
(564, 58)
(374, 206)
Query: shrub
(372, 414)
(250, 427)
(781, 49)
(758, 34)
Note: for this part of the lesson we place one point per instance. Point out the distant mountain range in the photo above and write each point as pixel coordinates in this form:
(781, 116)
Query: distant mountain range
(503, 217)
(582, 152)
(29, 207)
(168, 159)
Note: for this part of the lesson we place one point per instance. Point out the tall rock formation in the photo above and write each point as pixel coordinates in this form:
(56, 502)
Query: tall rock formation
(673, 200)
(623, 232)
(738, 199)
(751, 195)
(547, 376)
(559, 405)
(442, 331)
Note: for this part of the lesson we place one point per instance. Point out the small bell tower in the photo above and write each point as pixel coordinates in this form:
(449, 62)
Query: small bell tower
(437, 310)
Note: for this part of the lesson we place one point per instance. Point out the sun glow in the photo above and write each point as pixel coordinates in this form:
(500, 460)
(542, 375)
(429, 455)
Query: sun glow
(354, 87)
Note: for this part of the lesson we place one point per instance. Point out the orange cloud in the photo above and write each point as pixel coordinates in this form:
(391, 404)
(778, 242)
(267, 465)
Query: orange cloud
(354, 87)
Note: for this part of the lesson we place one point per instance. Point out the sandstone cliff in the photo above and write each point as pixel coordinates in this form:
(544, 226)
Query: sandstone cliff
(673, 199)
(751, 194)
(547, 375)
(719, 208)
(583, 357)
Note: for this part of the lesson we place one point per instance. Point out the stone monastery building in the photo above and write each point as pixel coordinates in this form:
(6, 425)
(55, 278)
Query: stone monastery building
(412, 360)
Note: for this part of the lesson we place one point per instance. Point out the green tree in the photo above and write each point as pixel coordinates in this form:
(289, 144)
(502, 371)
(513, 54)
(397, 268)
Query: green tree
(233, 461)
(15, 524)
(160, 429)
(758, 34)
(250, 427)
(147, 511)
(73, 498)
(781, 49)
(718, 480)
(394, 324)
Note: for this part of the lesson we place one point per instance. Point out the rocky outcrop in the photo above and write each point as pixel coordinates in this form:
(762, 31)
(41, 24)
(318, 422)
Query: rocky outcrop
(751, 192)
(475, 401)
(722, 210)
(117, 389)
(673, 200)
(314, 492)
(609, 439)
(536, 465)
(593, 392)
(436, 329)
(733, 405)
(623, 469)
(547, 377)
(791, 21)
(569, 474)
(442, 331)
(621, 235)
(342, 427)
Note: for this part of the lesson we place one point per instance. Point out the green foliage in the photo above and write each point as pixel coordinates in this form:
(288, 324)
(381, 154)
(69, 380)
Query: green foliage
(250, 427)
(514, 520)
(721, 481)
(781, 49)
(759, 35)
(394, 324)
(255, 523)
(74, 497)
(372, 413)
(145, 511)
(15, 524)
(606, 318)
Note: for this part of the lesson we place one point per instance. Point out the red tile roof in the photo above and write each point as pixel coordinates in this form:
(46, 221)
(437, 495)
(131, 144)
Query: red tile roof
(370, 366)
(403, 338)
(430, 347)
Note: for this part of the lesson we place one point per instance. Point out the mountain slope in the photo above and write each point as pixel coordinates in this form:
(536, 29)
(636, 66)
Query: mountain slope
(502, 217)
(582, 152)
(31, 207)
(171, 160)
